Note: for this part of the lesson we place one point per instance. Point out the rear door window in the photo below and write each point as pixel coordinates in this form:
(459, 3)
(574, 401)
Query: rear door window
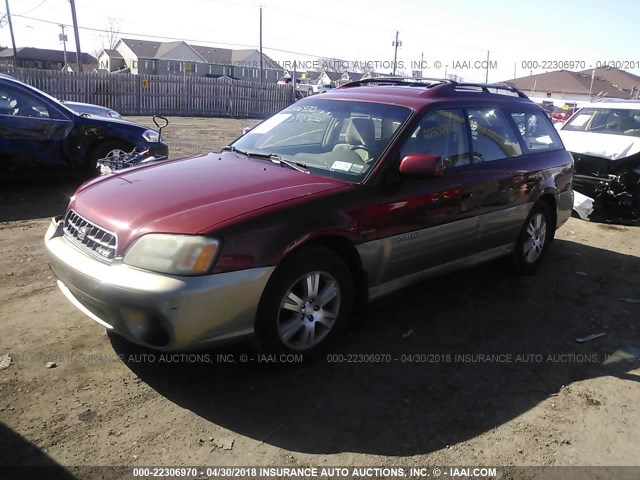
(492, 136)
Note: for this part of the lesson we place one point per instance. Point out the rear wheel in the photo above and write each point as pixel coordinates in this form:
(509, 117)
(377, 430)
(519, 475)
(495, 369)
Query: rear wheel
(306, 303)
(533, 240)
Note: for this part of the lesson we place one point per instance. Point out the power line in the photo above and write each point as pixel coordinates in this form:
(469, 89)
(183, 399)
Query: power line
(162, 37)
(34, 8)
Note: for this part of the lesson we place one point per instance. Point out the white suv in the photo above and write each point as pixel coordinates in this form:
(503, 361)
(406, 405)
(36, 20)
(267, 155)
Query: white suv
(604, 138)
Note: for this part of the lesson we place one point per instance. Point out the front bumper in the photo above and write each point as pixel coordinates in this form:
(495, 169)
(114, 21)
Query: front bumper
(164, 312)
(158, 149)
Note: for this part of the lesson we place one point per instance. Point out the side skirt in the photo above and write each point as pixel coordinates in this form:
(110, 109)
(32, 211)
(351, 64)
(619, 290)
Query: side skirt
(460, 264)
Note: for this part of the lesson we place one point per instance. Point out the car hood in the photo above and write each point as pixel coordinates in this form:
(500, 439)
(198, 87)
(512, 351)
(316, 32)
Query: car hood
(105, 121)
(190, 195)
(612, 147)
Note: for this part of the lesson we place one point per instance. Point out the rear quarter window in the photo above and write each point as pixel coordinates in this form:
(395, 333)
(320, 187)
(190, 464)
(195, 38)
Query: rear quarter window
(536, 131)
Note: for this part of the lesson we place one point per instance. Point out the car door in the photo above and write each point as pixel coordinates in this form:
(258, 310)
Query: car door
(426, 222)
(501, 177)
(33, 132)
(508, 169)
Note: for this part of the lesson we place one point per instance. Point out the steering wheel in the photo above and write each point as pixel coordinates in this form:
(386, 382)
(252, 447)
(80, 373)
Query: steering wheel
(353, 148)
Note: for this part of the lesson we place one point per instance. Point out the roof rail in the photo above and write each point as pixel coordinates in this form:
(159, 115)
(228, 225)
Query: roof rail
(407, 81)
(486, 86)
(432, 82)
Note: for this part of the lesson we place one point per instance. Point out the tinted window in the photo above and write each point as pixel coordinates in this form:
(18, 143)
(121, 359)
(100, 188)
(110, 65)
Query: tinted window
(492, 137)
(444, 133)
(19, 104)
(536, 131)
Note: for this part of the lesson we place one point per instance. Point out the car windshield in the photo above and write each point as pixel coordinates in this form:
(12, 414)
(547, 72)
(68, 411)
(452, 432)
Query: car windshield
(615, 121)
(334, 138)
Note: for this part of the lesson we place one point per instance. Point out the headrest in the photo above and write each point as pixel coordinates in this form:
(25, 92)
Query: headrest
(360, 131)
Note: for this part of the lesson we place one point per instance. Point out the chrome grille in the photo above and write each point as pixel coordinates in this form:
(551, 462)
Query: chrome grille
(90, 237)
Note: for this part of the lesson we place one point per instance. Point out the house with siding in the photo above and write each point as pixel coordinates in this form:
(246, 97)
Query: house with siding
(111, 61)
(324, 77)
(45, 59)
(180, 58)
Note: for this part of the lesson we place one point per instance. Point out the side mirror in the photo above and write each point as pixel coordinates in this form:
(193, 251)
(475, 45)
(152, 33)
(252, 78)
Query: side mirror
(421, 165)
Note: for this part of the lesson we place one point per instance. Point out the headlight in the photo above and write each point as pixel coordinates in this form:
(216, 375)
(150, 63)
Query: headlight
(151, 136)
(173, 254)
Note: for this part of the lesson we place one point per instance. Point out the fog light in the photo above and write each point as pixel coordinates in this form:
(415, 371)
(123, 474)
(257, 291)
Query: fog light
(146, 328)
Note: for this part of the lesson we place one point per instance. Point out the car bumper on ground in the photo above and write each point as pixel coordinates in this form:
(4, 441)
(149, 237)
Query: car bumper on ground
(163, 312)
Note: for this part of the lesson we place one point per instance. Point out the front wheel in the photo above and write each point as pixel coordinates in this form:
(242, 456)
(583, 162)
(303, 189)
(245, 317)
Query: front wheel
(109, 149)
(533, 240)
(306, 303)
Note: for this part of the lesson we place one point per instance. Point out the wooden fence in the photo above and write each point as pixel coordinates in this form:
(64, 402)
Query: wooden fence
(162, 94)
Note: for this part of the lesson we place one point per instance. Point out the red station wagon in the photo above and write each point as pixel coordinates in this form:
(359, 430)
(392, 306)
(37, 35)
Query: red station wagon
(285, 234)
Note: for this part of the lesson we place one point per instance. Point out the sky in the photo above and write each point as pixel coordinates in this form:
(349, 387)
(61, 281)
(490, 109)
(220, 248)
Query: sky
(443, 37)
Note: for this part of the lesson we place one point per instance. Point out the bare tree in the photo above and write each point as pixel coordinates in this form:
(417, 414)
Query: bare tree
(112, 31)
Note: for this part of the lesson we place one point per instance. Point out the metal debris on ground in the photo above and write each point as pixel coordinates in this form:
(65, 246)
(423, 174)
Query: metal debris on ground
(583, 205)
(629, 300)
(590, 337)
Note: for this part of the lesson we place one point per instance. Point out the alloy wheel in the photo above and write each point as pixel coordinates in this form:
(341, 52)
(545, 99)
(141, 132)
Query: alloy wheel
(308, 310)
(535, 237)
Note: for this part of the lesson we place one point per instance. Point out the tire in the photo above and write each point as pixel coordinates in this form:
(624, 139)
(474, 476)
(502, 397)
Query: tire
(103, 150)
(533, 240)
(306, 303)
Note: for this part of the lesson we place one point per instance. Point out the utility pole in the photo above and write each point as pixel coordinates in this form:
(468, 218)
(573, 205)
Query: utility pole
(261, 64)
(396, 44)
(486, 77)
(13, 39)
(77, 35)
(295, 76)
(63, 39)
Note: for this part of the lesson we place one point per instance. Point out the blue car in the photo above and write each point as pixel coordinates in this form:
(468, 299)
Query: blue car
(41, 136)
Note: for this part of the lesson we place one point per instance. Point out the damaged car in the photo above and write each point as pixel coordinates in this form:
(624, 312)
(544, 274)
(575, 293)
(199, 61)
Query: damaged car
(40, 136)
(604, 139)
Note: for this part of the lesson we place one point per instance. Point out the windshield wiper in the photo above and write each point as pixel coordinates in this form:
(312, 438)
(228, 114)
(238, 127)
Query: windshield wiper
(231, 148)
(277, 159)
(274, 157)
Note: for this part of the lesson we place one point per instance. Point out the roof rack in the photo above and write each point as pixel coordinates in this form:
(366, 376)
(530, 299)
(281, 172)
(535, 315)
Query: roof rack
(432, 82)
(406, 81)
(486, 86)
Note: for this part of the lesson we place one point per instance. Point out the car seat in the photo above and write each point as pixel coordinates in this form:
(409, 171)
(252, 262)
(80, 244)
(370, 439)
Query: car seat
(360, 137)
(5, 107)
